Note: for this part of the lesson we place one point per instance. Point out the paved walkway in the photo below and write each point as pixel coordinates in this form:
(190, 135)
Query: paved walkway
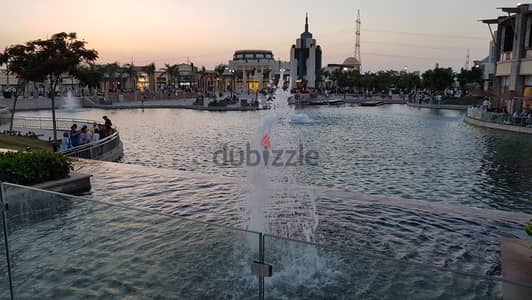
(181, 103)
(24, 104)
(439, 106)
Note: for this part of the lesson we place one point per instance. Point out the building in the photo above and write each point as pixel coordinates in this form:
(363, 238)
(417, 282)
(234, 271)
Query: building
(253, 70)
(305, 58)
(512, 55)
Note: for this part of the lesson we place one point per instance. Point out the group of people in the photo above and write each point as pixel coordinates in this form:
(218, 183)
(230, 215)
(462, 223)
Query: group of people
(85, 135)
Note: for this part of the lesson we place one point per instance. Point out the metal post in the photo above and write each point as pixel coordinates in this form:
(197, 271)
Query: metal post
(261, 260)
(4, 224)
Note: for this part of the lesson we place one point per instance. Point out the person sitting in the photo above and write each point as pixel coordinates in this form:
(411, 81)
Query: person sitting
(74, 136)
(84, 136)
(96, 135)
(65, 142)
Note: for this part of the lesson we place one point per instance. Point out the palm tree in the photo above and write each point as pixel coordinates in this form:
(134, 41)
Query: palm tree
(150, 70)
(131, 75)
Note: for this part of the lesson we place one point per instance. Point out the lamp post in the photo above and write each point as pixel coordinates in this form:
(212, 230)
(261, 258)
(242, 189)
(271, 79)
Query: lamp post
(232, 72)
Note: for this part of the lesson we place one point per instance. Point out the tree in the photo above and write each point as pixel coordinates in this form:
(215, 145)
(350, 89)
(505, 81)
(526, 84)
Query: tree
(131, 75)
(470, 79)
(150, 70)
(48, 60)
(89, 75)
(438, 79)
(220, 69)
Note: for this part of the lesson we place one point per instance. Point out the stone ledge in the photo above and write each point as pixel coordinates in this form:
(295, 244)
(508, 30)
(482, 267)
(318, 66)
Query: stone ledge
(75, 184)
(436, 106)
(512, 128)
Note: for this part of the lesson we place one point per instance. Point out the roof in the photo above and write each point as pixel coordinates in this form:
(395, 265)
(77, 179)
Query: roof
(351, 61)
(253, 52)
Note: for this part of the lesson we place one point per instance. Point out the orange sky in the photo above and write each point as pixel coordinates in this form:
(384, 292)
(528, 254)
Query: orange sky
(164, 31)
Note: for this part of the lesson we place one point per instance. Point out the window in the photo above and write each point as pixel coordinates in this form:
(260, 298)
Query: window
(529, 33)
(508, 39)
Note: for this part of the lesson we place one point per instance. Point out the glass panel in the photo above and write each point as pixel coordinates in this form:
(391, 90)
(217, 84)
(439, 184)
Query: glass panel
(4, 280)
(308, 271)
(68, 247)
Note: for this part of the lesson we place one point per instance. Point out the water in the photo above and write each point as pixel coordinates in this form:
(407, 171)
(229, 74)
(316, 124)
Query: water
(430, 171)
(71, 103)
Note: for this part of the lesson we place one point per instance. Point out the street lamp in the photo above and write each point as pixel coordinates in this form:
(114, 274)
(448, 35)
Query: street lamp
(232, 81)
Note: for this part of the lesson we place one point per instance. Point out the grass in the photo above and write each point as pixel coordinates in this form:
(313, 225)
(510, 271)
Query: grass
(20, 143)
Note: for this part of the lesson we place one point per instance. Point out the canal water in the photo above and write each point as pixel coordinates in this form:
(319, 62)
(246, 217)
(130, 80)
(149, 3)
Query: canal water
(403, 182)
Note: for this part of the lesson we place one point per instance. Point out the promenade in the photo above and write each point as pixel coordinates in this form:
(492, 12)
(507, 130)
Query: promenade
(171, 103)
(26, 104)
(437, 106)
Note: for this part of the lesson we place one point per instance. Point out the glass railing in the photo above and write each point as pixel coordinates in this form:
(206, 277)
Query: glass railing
(69, 247)
(498, 118)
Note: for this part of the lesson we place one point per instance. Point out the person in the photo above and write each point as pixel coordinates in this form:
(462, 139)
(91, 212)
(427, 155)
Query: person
(74, 136)
(107, 121)
(107, 126)
(84, 136)
(65, 141)
(96, 135)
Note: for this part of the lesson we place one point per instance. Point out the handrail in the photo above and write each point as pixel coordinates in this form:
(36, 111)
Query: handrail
(46, 122)
(106, 140)
(497, 118)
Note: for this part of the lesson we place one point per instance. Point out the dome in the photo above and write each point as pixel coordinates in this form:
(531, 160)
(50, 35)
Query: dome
(351, 61)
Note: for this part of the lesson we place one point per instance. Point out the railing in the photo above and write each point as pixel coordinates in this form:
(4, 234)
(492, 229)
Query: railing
(41, 123)
(96, 149)
(498, 118)
(56, 246)
(93, 150)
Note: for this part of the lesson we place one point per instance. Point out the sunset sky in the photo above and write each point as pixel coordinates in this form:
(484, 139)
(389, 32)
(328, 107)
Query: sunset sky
(395, 34)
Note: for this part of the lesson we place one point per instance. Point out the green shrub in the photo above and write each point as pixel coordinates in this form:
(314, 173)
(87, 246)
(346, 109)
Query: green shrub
(528, 229)
(31, 168)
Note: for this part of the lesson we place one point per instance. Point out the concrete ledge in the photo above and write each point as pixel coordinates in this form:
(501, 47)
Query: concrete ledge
(516, 259)
(179, 106)
(479, 123)
(75, 184)
(436, 106)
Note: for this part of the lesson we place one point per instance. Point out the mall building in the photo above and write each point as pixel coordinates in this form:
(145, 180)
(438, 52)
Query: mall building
(253, 70)
(512, 63)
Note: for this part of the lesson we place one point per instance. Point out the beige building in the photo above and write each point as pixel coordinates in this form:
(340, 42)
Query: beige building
(512, 39)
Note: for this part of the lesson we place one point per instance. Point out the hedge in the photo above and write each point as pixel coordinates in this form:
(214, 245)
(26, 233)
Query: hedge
(27, 168)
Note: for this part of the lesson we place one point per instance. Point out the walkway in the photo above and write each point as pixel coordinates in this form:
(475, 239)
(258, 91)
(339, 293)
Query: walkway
(181, 103)
(25, 104)
(438, 106)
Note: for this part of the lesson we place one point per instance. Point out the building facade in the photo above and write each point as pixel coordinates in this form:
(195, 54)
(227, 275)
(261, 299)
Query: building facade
(305, 58)
(512, 63)
(254, 70)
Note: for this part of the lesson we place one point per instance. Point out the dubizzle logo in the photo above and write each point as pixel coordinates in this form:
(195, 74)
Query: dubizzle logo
(266, 157)
(266, 142)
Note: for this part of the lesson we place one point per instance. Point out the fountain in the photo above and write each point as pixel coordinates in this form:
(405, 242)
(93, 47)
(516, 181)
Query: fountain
(71, 103)
(260, 196)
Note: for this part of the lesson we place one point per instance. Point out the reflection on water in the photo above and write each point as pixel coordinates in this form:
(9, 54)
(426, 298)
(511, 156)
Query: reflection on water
(390, 150)
(393, 151)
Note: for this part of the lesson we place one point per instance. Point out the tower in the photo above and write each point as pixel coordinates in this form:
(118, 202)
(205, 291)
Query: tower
(305, 60)
(357, 38)
(467, 60)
